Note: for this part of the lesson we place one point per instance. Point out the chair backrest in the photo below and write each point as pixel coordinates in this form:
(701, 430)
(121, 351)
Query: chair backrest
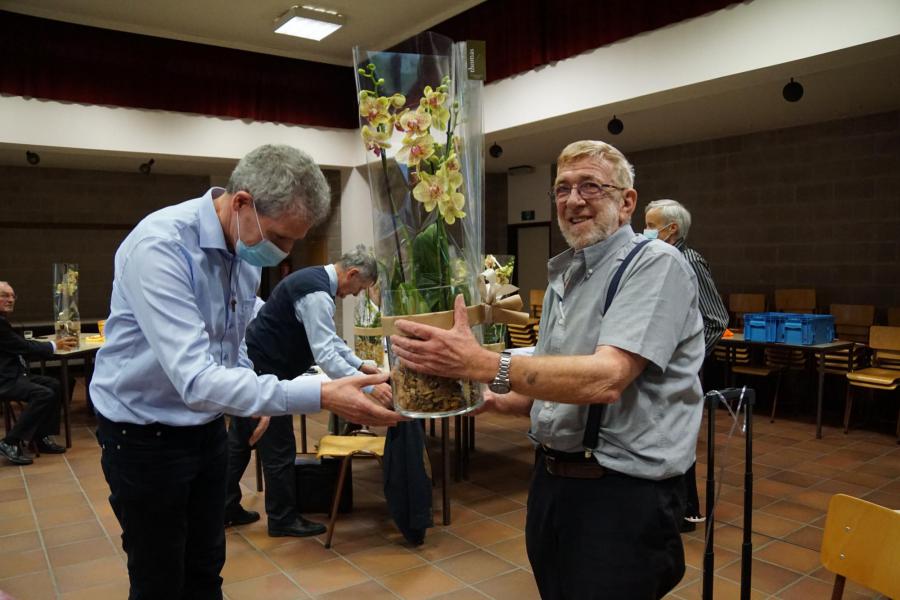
(536, 302)
(852, 321)
(802, 300)
(894, 316)
(885, 343)
(862, 543)
(738, 304)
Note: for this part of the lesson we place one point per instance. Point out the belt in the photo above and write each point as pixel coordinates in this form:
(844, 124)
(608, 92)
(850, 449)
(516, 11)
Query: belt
(573, 465)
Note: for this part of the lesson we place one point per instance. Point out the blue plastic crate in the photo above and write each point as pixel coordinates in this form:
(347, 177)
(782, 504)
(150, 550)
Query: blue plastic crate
(809, 329)
(764, 327)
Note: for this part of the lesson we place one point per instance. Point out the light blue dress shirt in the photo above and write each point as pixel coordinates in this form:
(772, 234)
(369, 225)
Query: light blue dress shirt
(175, 351)
(316, 312)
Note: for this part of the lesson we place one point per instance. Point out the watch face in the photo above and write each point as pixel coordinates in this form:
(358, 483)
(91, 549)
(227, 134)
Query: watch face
(498, 388)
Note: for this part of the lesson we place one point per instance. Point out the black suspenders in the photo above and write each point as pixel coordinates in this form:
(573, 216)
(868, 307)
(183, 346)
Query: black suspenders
(595, 413)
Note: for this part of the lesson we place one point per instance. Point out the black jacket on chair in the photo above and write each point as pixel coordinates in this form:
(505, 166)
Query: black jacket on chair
(13, 350)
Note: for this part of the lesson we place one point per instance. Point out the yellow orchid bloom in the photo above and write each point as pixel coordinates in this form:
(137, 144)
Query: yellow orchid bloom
(376, 140)
(416, 122)
(374, 109)
(416, 149)
(433, 102)
(452, 164)
(429, 190)
(398, 100)
(450, 206)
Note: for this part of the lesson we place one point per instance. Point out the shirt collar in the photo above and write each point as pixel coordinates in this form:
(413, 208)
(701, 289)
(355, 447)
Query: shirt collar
(211, 233)
(679, 243)
(332, 279)
(593, 255)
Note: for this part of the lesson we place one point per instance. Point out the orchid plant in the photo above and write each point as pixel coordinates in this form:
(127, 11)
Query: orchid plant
(429, 277)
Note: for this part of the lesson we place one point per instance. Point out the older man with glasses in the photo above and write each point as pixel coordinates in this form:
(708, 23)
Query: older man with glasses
(612, 391)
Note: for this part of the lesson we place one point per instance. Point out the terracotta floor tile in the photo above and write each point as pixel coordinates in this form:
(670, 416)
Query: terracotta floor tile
(515, 519)
(300, 553)
(42, 504)
(764, 576)
(791, 510)
(327, 576)
(72, 532)
(790, 556)
(53, 489)
(723, 589)
(694, 550)
(463, 594)
(15, 508)
(65, 515)
(485, 532)
(475, 566)
(441, 544)
(269, 587)
(805, 589)
(512, 550)
(20, 542)
(81, 551)
(812, 498)
(16, 524)
(33, 586)
(95, 573)
(883, 498)
(490, 506)
(109, 591)
(516, 584)
(20, 563)
(420, 583)
(16, 493)
(808, 537)
(794, 478)
(836, 486)
(384, 560)
(247, 565)
(371, 590)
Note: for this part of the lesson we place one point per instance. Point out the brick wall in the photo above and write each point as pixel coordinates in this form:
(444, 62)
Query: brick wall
(64, 215)
(814, 206)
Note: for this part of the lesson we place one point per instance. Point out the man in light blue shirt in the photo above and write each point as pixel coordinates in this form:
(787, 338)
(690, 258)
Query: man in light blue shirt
(293, 331)
(175, 360)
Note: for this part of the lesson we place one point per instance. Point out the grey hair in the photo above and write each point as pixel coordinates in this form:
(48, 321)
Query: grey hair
(282, 179)
(363, 259)
(673, 211)
(623, 171)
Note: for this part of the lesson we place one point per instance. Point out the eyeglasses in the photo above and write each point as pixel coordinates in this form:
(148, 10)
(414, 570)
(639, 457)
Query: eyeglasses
(4, 295)
(588, 190)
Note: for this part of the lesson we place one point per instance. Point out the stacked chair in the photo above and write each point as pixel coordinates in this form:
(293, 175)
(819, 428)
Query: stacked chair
(883, 375)
(852, 323)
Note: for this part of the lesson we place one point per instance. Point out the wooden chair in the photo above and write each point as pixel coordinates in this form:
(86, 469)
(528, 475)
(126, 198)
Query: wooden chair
(522, 336)
(363, 444)
(536, 303)
(861, 543)
(801, 300)
(884, 374)
(852, 323)
(894, 316)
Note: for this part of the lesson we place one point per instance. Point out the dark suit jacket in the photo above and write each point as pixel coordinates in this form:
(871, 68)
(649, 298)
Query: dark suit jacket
(13, 348)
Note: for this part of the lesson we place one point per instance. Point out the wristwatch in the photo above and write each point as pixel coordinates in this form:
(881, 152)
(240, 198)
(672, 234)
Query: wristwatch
(500, 384)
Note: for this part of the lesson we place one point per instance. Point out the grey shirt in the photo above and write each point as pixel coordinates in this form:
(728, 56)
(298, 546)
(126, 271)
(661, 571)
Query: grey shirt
(651, 431)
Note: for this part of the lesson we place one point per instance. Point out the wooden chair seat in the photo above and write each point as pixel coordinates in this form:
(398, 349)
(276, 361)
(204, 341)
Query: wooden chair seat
(346, 447)
(884, 378)
(755, 371)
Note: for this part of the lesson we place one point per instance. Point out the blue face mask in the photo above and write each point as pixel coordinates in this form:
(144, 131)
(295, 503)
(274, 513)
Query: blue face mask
(651, 234)
(262, 254)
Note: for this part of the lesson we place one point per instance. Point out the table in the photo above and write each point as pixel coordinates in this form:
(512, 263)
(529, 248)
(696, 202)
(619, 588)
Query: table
(86, 350)
(818, 350)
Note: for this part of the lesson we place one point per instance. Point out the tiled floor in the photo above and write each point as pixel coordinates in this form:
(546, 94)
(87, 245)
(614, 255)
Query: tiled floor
(59, 538)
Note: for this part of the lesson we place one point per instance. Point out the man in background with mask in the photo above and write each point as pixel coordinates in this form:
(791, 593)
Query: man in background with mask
(669, 221)
(293, 331)
(175, 360)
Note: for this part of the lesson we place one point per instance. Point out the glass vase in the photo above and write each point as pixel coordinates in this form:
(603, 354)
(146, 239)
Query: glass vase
(67, 319)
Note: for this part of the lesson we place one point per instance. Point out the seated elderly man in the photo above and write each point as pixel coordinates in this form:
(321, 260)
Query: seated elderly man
(293, 331)
(40, 419)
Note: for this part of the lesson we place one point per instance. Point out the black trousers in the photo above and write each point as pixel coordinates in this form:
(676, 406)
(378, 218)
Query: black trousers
(692, 504)
(616, 537)
(167, 489)
(277, 449)
(41, 416)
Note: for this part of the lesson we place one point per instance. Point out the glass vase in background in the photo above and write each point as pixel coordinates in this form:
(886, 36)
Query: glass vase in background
(67, 319)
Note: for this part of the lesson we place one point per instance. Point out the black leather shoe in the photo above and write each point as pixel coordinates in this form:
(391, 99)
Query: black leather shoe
(47, 445)
(299, 528)
(241, 517)
(13, 453)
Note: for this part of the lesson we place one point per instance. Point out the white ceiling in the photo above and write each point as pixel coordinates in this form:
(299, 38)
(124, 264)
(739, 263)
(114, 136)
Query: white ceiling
(856, 81)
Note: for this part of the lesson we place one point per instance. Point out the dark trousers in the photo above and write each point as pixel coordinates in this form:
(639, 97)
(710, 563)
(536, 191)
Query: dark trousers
(692, 503)
(41, 416)
(277, 449)
(167, 489)
(616, 537)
